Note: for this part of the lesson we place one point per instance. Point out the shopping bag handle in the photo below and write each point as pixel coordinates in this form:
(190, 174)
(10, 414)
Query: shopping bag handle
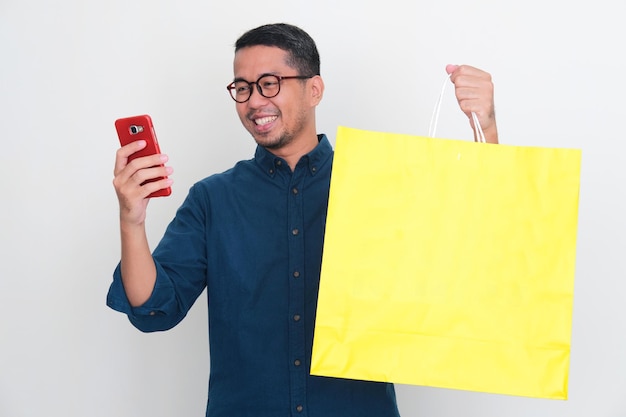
(435, 117)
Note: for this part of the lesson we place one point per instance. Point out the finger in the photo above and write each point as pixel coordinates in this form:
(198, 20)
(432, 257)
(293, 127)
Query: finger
(450, 68)
(468, 76)
(477, 106)
(122, 154)
(128, 181)
(149, 180)
(141, 164)
(141, 184)
(142, 176)
(155, 185)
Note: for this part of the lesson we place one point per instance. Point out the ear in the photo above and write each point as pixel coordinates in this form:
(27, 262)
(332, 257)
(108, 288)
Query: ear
(317, 90)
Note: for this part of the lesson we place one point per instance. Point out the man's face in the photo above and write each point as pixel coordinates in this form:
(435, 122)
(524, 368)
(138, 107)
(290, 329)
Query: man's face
(278, 121)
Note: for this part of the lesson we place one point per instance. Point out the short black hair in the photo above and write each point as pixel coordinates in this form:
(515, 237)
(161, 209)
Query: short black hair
(301, 48)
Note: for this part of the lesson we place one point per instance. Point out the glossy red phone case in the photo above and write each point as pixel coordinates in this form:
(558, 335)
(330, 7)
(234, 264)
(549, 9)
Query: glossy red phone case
(131, 129)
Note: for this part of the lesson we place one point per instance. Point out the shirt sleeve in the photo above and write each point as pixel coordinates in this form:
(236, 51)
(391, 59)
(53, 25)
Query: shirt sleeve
(180, 260)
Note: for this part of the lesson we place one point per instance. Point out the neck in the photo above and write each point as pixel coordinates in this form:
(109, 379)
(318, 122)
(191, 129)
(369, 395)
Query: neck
(296, 150)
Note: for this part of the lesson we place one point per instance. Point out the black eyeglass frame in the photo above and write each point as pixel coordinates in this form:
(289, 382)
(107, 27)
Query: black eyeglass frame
(231, 87)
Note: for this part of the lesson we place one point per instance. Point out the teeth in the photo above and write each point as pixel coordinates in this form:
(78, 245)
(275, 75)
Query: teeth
(265, 120)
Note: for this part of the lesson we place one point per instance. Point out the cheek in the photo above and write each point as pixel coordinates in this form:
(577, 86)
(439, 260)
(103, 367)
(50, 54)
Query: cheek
(241, 112)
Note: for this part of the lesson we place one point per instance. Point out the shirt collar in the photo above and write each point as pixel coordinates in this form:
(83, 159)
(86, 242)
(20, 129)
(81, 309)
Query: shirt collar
(313, 160)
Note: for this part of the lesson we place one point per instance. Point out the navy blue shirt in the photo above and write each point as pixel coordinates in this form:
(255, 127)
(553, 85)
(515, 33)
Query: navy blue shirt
(253, 237)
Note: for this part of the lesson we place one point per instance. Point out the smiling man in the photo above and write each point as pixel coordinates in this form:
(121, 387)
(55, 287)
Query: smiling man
(282, 123)
(253, 236)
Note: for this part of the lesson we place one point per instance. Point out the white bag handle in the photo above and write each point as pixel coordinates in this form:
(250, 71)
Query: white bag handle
(434, 119)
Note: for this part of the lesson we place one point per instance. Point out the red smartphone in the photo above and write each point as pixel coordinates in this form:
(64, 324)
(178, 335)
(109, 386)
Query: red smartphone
(131, 129)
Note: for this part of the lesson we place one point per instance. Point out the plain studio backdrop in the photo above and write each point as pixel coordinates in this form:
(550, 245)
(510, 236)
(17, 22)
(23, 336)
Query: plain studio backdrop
(69, 68)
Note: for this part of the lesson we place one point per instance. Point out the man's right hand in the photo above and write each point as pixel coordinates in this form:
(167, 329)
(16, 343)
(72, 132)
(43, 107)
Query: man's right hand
(130, 181)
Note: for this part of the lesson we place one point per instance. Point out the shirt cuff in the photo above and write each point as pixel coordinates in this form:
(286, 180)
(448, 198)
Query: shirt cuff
(159, 312)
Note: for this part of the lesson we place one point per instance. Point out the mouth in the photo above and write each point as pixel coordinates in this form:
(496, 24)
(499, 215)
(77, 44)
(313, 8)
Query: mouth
(262, 121)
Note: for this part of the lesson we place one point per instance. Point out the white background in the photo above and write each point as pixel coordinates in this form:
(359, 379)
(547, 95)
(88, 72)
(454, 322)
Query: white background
(69, 68)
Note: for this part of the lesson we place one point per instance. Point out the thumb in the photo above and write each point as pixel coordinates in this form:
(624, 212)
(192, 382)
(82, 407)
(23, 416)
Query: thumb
(450, 68)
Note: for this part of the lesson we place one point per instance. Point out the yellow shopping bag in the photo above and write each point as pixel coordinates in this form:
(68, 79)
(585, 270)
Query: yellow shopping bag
(448, 263)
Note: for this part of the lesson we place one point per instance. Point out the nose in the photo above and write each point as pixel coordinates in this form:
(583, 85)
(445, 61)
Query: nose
(256, 96)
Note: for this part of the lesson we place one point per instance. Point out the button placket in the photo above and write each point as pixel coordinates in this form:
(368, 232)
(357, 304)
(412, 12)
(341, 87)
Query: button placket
(297, 351)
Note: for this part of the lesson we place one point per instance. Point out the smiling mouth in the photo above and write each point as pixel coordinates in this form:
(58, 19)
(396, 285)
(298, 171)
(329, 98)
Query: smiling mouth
(265, 120)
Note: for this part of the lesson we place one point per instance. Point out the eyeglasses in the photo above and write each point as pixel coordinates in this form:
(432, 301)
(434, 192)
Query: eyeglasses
(267, 85)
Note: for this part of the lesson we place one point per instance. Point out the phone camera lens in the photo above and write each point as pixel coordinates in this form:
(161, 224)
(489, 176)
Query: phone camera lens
(135, 129)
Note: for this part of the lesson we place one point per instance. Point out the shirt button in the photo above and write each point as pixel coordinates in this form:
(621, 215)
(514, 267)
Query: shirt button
(296, 317)
(297, 362)
(296, 274)
(313, 169)
(279, 162)
(294, 190)
(152, 313)
(271, 171)
(295, 232)
(299, 409)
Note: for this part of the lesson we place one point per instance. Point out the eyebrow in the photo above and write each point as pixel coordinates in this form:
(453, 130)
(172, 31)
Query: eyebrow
(260, 76)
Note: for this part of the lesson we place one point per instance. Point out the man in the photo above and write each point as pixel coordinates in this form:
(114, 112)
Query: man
(253, 237)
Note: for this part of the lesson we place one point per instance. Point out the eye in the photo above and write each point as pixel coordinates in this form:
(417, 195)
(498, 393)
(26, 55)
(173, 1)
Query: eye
(270, 83)
(241, 88)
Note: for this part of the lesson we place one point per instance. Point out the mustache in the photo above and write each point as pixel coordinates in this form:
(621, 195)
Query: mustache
(256, 114)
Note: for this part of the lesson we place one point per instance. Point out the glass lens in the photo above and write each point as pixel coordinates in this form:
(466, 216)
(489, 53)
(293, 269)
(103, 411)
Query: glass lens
(270, 85)
(240, 90)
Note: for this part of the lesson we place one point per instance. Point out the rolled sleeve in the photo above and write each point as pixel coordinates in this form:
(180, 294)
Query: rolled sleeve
(159, 312)
(180, 260)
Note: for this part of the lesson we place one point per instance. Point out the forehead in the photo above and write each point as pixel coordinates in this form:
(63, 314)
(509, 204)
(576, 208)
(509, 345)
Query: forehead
(253, 61)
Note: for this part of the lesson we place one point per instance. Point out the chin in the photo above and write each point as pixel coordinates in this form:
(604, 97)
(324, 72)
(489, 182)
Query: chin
(271, 142)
